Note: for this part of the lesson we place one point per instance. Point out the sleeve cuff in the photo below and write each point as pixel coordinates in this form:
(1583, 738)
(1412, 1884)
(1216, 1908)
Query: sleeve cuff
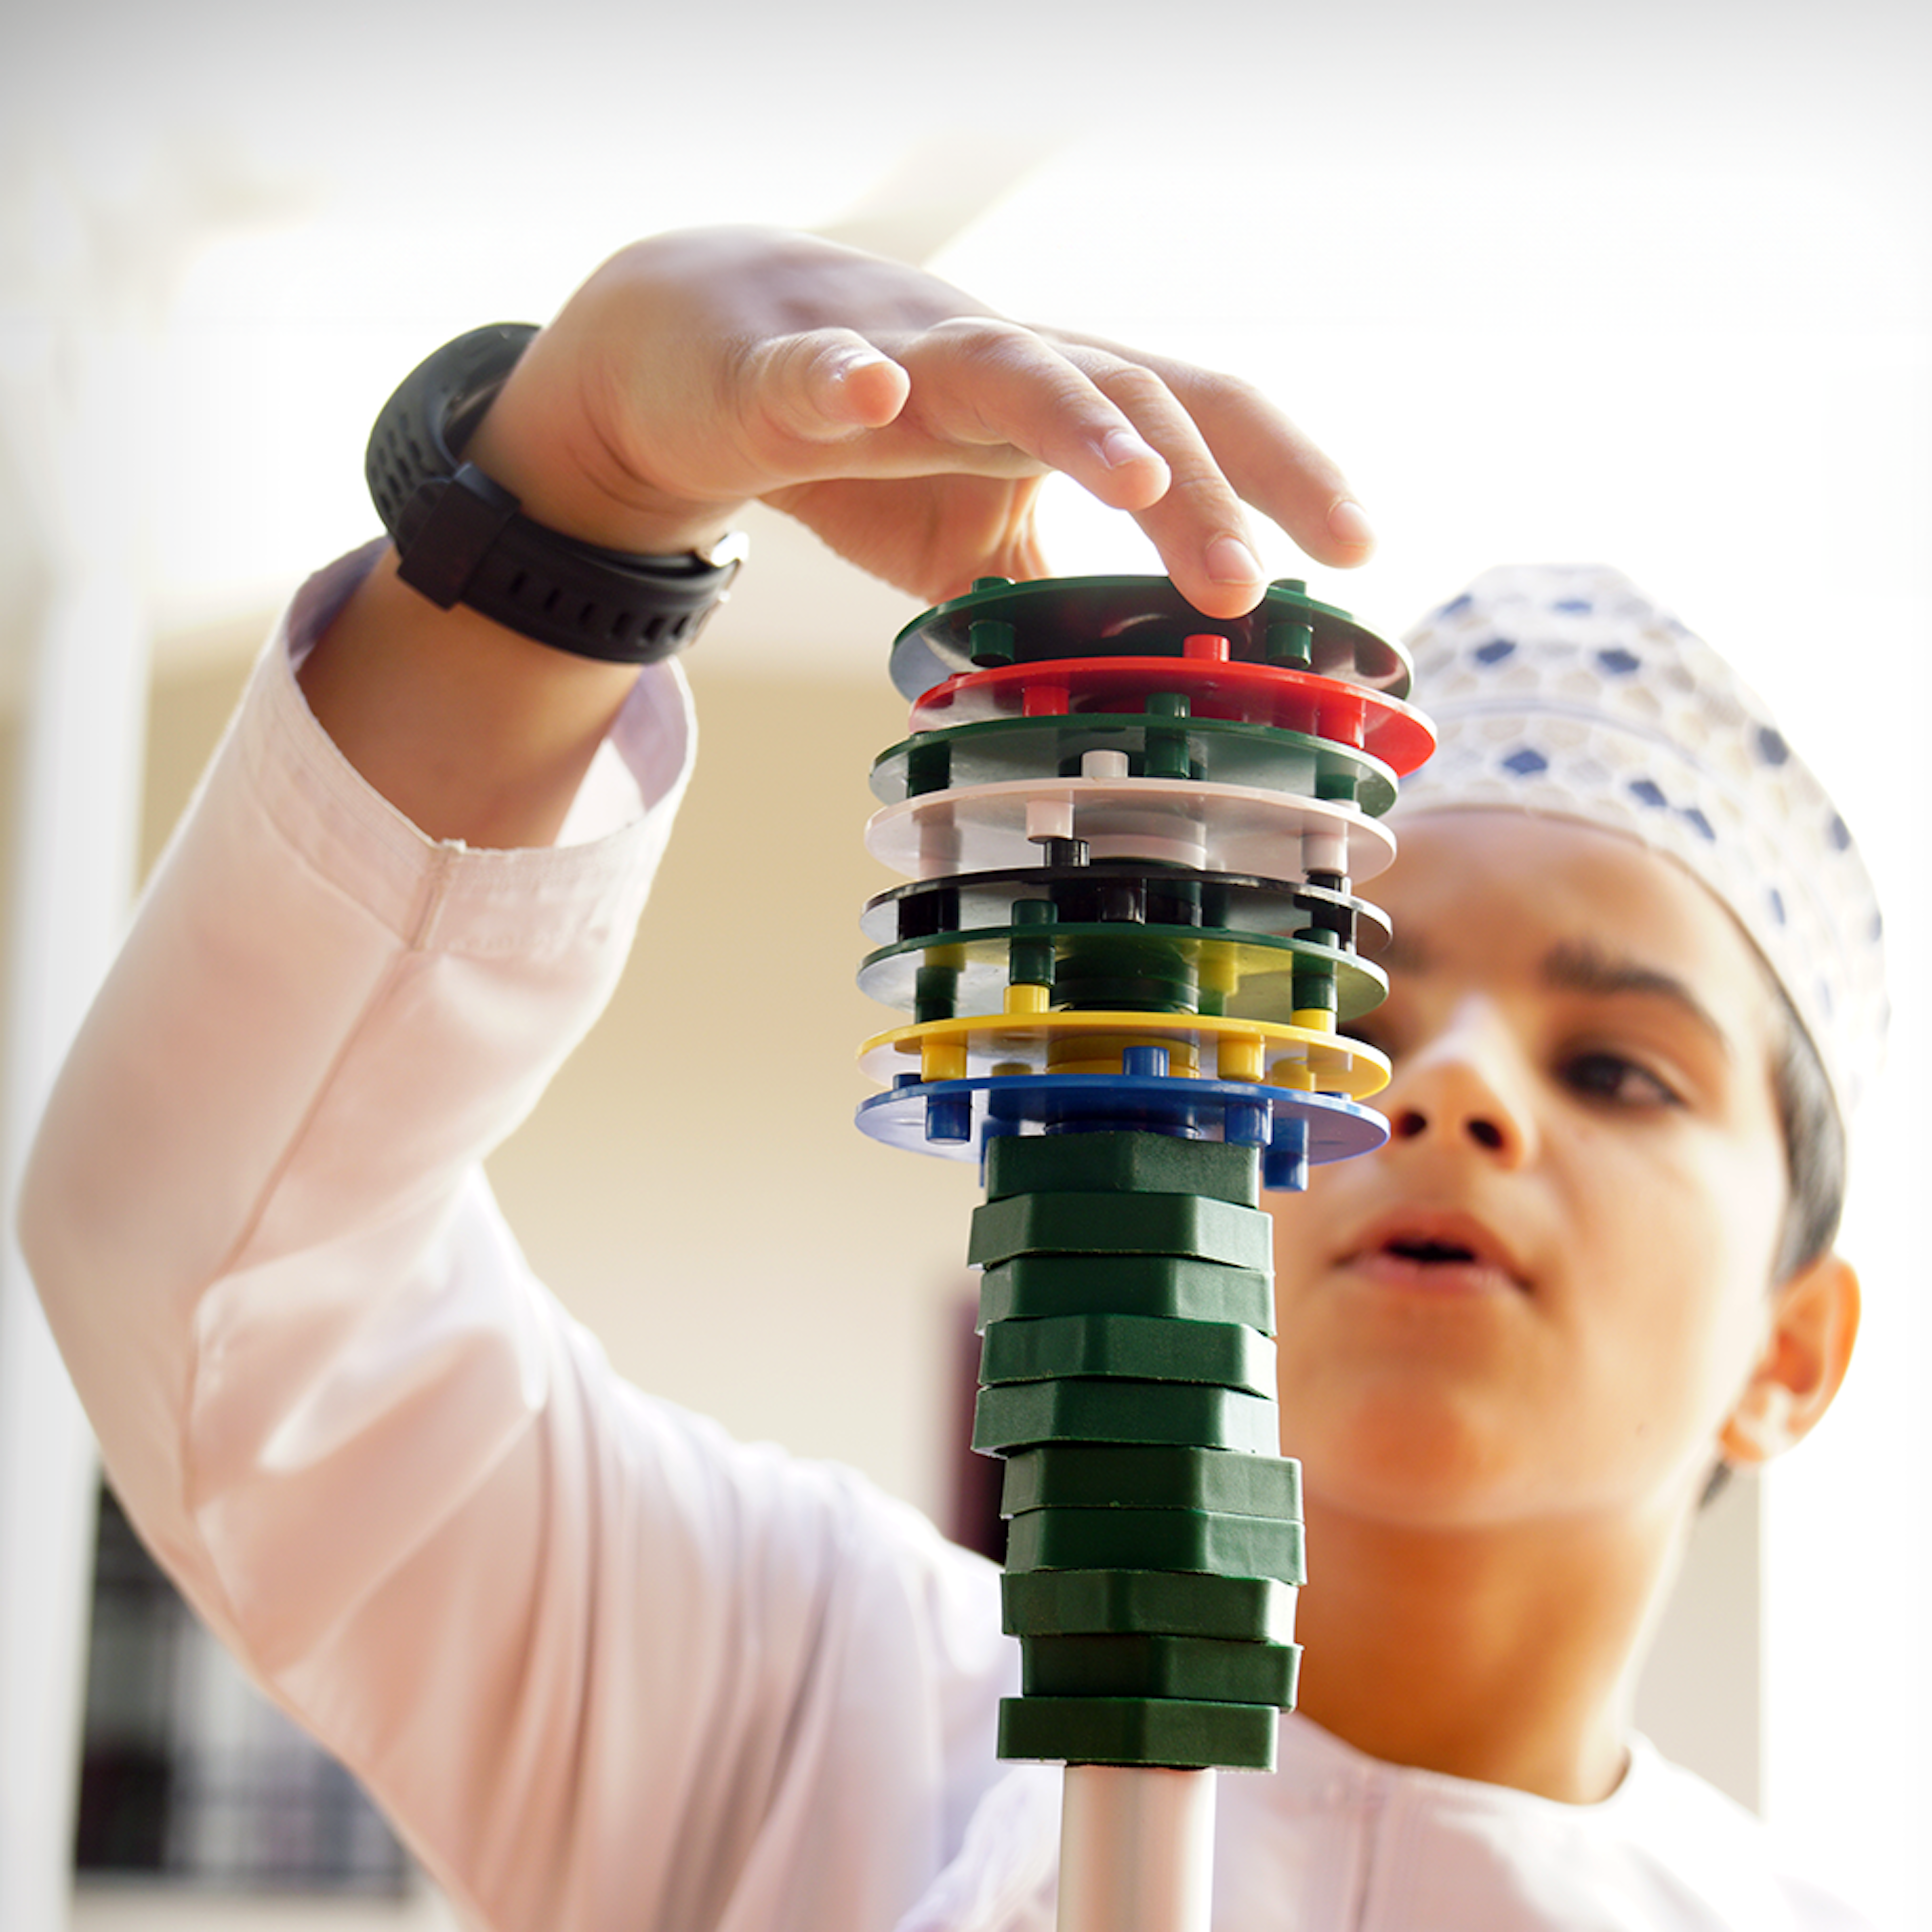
(612, 839)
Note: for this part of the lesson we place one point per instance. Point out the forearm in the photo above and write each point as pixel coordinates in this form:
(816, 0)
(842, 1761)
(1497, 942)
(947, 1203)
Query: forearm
(473, 732)
(321, 1021)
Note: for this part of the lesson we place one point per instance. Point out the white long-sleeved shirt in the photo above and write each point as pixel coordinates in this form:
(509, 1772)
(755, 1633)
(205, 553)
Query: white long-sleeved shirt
(604, 1667)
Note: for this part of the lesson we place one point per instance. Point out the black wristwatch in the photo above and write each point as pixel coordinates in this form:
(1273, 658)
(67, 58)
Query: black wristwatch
(461, 538)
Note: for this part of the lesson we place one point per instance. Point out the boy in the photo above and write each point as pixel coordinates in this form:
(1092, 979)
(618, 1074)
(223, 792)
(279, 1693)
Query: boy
(606, 1668)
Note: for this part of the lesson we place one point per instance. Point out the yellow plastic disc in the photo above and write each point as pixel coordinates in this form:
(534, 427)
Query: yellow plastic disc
(1308, 1059)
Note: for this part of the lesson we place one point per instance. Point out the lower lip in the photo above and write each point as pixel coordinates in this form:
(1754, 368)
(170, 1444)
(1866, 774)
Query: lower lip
(1386, 1270)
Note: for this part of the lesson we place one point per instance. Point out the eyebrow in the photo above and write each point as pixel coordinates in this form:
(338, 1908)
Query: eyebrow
(1580, 967)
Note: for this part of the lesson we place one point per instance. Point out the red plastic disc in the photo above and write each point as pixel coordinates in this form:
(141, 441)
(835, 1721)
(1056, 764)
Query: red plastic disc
(1250, 693)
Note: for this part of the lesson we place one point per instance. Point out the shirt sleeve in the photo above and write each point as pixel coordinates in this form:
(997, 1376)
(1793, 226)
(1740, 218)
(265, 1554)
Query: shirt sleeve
(604, 1667)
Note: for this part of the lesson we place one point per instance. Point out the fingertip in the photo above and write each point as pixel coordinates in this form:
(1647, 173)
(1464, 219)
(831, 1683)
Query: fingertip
(865, 389)
(1234, 579)
(1348, 524)
(1135, 476)
(1220, 602)
(1232, 564)
(1122, 446)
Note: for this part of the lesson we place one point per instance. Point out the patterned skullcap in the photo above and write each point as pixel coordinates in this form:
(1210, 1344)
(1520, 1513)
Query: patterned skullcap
(1562, 689)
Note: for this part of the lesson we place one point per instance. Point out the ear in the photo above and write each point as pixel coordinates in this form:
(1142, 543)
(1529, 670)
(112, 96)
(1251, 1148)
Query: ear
(1808, 1347)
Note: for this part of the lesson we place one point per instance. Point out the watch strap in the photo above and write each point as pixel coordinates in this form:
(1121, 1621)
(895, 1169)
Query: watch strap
(462, 538)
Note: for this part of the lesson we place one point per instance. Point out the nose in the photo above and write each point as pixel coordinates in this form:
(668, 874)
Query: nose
(1465, 1085)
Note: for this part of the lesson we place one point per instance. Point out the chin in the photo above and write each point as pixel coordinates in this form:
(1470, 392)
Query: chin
(1404, 1460)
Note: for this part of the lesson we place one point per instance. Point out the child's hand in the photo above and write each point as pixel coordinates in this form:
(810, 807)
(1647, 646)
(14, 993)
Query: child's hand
(905, 423)
(895, 416)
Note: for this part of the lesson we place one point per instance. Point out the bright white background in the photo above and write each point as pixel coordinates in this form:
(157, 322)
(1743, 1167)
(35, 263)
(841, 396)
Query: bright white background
(1643, 283)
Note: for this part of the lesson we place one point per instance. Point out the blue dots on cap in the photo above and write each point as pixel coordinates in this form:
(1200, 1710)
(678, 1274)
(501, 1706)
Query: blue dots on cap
(1562, 689)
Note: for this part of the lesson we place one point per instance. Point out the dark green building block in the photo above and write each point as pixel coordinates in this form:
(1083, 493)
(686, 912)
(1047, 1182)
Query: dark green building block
(1081, 1475)
(1191, 1667)
(1100, 1602)
(1123, 1163)
(1157, 1731)
(1038, 1286)
(1141, 1347)
(1144, 1224)
(1017, 1415)
(1156, 1539)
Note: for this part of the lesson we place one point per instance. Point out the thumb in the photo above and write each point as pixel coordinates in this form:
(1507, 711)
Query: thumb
(824, 386)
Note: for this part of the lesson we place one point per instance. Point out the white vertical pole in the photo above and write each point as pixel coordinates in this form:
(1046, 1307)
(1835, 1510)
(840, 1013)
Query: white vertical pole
(1136, 1849)
(73, 415)
(78, 807)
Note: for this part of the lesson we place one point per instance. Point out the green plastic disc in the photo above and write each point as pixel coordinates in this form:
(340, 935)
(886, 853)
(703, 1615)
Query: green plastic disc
(1000, 621)
(1138, 1347)
(1165, 1731)
(1156, 1539)
(1081, 1475)
(1190, 1224)
(1190, 1667)
(1096, 965)
(1214, 750)
(1097, 1603)
(1020, 1415)
(1153, 1285)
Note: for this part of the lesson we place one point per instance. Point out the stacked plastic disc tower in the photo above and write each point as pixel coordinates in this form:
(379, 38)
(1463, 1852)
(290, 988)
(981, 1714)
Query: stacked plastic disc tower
(1129, 942)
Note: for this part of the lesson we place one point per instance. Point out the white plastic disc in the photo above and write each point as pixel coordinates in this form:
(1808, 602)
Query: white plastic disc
(1211, 827)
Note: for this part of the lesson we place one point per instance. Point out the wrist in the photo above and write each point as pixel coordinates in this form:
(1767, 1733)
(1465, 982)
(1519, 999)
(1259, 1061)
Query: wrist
(536, 440)
(463, 535)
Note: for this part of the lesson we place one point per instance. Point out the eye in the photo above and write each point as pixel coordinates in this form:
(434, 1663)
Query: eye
(1600, 1074)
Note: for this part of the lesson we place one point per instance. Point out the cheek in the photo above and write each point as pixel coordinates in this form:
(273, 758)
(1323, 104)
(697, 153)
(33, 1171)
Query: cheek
(1677, 1260)
(1309, 1227)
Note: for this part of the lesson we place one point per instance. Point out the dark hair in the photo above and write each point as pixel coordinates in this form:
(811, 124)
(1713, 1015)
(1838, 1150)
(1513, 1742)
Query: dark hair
(1814, 1165)
(1814, 1148)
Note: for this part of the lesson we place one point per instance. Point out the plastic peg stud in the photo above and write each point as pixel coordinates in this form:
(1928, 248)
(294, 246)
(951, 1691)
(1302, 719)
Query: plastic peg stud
(1049, 819)
(990, 641)
(1029, 953)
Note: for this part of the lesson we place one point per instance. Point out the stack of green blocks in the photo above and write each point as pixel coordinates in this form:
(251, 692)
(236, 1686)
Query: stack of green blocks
(1127, 1378)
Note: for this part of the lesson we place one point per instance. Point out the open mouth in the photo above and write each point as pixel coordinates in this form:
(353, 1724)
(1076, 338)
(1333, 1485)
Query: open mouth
(1436, 1248)
(1429, 1252)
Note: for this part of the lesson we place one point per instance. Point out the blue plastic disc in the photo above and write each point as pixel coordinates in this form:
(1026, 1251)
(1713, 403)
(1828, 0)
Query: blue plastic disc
(954, 1118)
